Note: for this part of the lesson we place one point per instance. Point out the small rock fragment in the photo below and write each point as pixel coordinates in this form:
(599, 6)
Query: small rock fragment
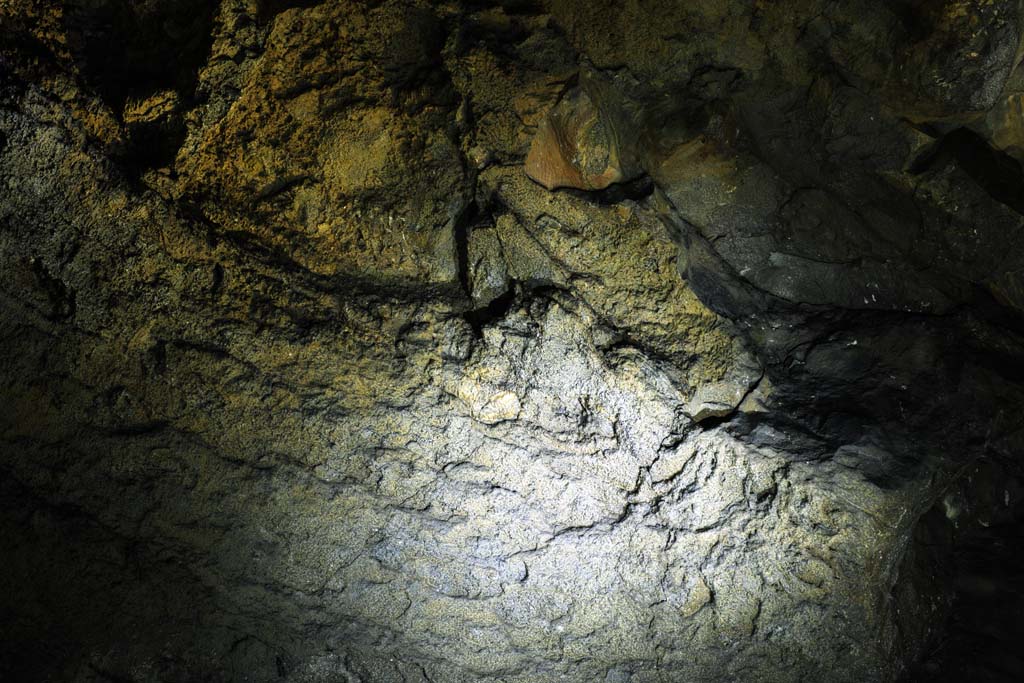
(585, 142)
(700, 595)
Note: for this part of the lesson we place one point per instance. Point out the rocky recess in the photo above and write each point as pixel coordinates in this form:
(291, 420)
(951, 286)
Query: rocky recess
(513, 341)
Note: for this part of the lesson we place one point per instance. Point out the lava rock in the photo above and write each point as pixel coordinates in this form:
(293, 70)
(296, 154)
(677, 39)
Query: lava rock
(586, 142)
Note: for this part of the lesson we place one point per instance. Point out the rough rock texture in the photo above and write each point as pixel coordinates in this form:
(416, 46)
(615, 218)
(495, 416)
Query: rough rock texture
(305, 378)
(587, 141)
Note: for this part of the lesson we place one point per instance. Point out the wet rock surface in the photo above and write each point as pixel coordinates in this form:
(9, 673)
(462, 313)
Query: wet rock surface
(514, 341)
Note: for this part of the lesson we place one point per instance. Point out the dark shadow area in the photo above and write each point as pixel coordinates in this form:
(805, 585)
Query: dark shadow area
(129, 51)
(72, 588)
(999, 174)
(632, 190)
(980, 531)
(133, 48)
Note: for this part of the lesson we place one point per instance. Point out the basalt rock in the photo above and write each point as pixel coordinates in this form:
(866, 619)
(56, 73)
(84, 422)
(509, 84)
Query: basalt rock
(587, 141)
(511, 341)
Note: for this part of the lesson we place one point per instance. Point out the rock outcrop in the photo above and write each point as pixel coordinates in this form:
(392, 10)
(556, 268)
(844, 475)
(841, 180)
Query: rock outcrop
(587, 141)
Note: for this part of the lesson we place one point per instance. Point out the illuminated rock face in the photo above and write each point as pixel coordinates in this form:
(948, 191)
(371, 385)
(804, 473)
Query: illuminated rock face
(311, 372)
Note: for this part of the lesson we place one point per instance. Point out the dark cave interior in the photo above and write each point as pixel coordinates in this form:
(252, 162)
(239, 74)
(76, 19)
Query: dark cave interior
(512, 341)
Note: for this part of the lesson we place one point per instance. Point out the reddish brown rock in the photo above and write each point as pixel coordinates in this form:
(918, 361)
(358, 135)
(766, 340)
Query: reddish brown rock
(582, 143)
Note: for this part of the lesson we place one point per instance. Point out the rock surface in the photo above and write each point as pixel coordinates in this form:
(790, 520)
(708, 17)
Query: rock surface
(587, 141)
(311, 373)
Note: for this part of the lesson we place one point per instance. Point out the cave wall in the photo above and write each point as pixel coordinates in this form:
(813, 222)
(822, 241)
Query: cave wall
(512, 341)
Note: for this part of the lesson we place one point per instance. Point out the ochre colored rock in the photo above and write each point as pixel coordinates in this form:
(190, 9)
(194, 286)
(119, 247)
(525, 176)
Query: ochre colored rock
(581, 143)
